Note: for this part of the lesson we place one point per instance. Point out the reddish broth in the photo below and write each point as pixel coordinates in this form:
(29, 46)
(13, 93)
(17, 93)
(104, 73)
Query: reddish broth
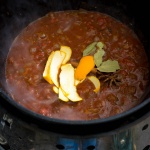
(77, 29)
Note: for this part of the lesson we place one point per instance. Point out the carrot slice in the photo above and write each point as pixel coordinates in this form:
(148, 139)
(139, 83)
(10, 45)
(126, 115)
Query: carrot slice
(85, 65)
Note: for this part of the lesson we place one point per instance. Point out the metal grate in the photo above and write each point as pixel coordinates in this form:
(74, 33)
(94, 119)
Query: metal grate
(15, 135)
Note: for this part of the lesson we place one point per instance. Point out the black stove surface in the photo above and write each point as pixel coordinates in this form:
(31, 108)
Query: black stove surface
(13, 136)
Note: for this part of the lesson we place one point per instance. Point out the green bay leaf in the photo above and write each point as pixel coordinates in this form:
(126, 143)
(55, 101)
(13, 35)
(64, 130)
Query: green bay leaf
(109, 66)
(89, 49)
(98, 57)
(100, 45)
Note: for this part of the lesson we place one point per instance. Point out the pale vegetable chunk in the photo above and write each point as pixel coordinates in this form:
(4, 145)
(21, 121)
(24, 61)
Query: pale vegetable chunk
(67, 82)
(55, 65)
(96, 82)
(55, 89)
(46, 73)
(67, 50)
(62, 96)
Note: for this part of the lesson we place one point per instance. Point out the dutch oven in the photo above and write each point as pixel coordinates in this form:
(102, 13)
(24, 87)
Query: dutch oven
(16, 15)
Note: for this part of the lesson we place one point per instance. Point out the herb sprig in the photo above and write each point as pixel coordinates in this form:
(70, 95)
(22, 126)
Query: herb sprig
(96, 48)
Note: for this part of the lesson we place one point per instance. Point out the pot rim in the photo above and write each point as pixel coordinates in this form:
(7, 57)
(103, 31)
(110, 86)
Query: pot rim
(73, 122)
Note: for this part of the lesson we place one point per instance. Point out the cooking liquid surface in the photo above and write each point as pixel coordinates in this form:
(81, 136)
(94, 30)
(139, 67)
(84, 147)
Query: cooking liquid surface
(77, 29)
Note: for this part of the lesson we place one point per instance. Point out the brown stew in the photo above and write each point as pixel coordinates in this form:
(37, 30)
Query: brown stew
(120, 91)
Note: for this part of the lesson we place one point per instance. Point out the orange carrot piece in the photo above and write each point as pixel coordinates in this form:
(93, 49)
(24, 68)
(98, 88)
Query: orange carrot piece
(85, 65)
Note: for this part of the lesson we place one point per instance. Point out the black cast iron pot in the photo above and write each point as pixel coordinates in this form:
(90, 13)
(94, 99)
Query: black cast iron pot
(15, 15)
